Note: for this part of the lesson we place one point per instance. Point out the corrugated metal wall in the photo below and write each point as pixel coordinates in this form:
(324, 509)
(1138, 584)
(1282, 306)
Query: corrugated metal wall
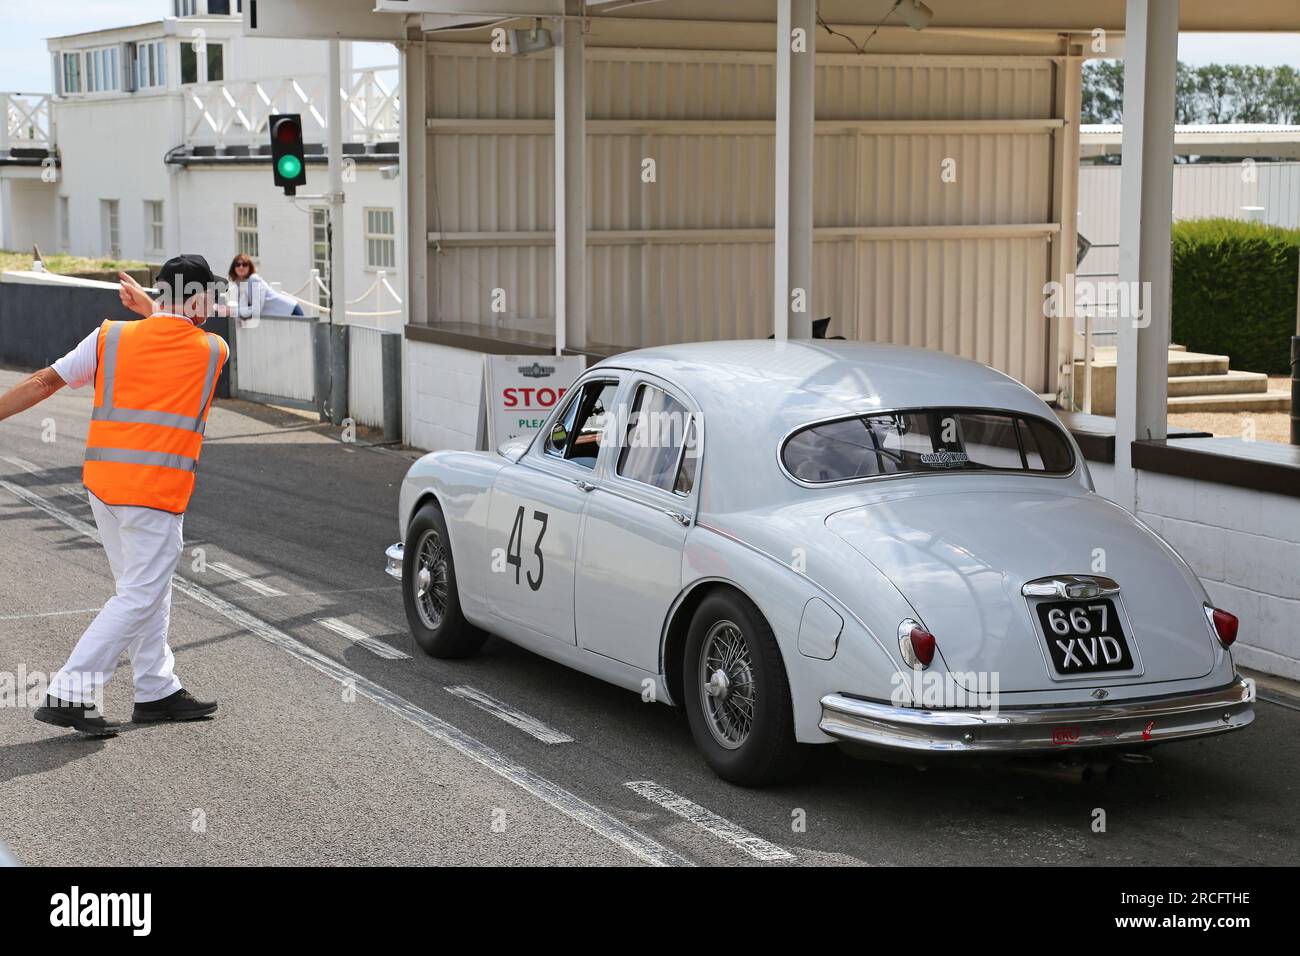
(901, 255)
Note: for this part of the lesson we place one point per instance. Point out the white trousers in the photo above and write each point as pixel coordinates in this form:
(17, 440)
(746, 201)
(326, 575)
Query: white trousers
(143, 548)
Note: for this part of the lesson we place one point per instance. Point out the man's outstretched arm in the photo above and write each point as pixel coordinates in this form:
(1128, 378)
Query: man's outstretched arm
(30, 391)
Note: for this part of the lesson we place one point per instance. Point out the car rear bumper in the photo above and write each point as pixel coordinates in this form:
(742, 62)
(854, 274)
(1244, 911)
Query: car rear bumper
(1045, 729)
(394, 556)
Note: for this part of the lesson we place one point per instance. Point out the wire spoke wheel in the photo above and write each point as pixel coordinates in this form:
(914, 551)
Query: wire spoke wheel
(430, 581)
(727, 687)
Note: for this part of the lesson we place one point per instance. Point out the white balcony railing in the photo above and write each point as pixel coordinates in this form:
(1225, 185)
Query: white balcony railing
(236, 113)
(27, 122)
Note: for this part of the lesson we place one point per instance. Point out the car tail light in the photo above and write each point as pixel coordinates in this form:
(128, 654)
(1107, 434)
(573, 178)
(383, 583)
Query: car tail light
(1224, 624)
(916, 644)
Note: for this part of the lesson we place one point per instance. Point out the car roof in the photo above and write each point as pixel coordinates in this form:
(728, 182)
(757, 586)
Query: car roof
(752, 393)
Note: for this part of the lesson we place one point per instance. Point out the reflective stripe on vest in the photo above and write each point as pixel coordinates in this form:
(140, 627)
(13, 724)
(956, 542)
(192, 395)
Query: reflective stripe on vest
(132, 456)
(110, 413)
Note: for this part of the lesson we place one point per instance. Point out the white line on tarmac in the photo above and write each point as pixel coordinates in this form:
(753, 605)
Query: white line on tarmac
(243, 578)
(25, 617)
(503, 711)
(358, 636)
(710, 822)
(606, 825)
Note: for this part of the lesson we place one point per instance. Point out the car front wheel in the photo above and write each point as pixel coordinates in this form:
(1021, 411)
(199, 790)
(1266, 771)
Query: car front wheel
(737, 695)
(429, 589)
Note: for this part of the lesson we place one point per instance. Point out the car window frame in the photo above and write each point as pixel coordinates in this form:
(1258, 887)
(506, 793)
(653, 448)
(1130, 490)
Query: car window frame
(1075, 457)
(625, 482)
(538, 453)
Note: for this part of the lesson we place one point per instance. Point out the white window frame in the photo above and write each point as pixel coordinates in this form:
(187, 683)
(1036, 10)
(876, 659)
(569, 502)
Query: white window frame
(72, 70)
(374, 241)
(155, 231)
(110, 225)
(318, 249)
(103, 69)
(150, 64)
(247, 241)
(201, 63)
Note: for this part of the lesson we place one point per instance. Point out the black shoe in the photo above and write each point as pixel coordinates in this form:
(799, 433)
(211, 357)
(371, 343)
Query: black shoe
(85, 719)
(181, 705)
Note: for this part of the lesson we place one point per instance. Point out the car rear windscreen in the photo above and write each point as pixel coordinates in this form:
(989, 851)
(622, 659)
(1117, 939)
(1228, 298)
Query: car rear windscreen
(926, 441)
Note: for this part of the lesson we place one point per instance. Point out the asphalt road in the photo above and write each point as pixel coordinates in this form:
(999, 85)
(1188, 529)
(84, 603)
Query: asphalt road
(339, 742)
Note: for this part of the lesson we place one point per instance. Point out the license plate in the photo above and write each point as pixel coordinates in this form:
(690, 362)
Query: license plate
(1084, 637)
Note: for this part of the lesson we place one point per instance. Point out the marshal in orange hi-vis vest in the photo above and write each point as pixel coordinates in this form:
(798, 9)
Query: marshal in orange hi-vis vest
(154, 383)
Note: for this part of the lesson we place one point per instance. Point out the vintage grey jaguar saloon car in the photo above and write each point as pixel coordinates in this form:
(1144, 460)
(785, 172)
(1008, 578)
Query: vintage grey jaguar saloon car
(811, 542)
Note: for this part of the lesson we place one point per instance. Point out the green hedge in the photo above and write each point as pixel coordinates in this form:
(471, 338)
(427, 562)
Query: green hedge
(1234, 291)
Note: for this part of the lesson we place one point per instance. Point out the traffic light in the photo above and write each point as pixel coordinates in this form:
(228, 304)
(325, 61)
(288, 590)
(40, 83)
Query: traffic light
(287, 161)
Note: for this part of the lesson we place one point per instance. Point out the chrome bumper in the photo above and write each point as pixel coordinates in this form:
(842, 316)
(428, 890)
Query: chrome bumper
(1044, 729)
(394, 566)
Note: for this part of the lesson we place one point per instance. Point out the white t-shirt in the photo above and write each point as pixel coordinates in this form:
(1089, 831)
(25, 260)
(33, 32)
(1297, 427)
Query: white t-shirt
(77, 368)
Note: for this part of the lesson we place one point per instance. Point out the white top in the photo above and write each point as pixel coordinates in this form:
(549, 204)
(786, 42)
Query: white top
(256, 298)
(77, 368)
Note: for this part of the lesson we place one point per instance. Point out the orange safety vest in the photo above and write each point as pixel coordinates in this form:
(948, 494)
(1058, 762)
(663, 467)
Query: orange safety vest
(154, 382)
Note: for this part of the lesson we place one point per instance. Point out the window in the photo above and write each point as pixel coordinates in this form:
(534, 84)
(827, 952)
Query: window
(381, 240)
(246, 230)
(153, 225)
(926, 441)
(185, 8)
(580, 430)
(218, 8)
(149, 65)
(320, 249)
(110, 228)
(102, 70)
(72, 72)
(659, 433)
(65, 224)
(210, 55)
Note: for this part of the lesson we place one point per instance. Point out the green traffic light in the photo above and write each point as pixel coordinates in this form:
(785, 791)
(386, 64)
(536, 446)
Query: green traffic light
(289, 166)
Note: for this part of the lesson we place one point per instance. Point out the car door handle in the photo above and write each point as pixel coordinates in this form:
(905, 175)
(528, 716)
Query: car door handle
(584, 485)
(681, 519)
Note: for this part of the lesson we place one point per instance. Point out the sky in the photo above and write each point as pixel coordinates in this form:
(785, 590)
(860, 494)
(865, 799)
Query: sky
(25, 66)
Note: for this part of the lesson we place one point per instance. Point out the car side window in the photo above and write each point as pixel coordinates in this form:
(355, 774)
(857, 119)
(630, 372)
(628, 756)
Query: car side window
(659, 447)
(578, 433)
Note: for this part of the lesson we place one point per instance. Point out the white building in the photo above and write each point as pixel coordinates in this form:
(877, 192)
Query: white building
(154, 142)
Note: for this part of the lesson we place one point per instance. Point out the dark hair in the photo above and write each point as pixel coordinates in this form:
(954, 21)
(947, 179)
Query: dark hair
(241, 259)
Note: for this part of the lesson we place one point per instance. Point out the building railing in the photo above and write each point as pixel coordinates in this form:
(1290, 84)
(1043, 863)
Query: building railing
(28, 122)
(236, 113)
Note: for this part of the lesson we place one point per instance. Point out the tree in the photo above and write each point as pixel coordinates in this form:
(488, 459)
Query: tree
(1103, 92)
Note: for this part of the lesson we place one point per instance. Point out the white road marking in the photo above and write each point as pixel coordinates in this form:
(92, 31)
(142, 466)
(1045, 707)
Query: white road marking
(571, 805)
(26, 617)
(243, 578)
(710, 822)
(358, 636)
(69, 490)
(516, 718)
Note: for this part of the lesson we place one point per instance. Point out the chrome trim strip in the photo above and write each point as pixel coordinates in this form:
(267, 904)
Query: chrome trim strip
(1021, 730)
(1071, 587)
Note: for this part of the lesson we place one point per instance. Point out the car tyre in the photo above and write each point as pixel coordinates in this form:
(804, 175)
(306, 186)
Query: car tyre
(429, 589)
(737, 695)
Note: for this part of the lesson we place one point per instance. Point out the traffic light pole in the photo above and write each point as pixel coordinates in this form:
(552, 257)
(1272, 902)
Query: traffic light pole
(338, 396)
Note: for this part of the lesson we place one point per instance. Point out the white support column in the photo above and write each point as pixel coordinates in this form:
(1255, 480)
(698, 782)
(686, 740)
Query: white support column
(570, 183)
(413, 173)
(1146, 211)
(334, 117)
(796, 56)
(1065, 210)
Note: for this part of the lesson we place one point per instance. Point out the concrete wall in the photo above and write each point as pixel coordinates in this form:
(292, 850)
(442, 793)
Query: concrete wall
(1245, 547)
(443, 403)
